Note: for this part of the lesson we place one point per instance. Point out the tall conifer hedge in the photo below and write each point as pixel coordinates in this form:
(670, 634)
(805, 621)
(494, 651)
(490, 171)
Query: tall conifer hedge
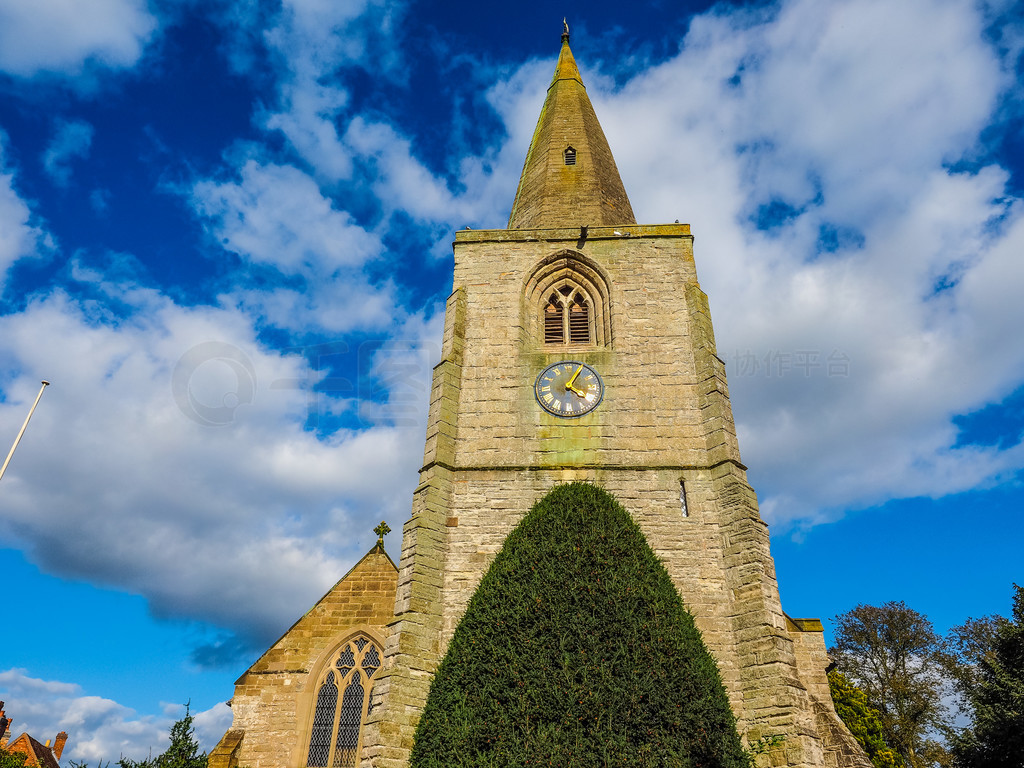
(577, 651)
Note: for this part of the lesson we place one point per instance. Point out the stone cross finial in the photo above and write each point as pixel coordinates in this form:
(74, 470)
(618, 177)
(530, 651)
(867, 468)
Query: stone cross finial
(381, 530)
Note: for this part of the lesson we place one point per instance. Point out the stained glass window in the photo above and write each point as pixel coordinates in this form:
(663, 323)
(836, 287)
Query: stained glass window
(323, 722)
(337, 725)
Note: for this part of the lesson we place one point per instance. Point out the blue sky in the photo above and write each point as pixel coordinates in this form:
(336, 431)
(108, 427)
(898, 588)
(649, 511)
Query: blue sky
(225, 238)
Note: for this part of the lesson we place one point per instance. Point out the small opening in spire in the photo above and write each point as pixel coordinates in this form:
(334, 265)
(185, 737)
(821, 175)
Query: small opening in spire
(570, 155)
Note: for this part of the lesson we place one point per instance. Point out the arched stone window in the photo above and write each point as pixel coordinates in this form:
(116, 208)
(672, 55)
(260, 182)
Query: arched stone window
(568, 297)
(567, 316)
(342, 697)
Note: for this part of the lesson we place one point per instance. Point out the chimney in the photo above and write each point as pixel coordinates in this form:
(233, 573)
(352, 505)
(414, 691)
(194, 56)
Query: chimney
(58, 745)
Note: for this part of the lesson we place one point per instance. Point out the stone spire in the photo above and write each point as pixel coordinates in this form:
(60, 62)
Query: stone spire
(569, 178)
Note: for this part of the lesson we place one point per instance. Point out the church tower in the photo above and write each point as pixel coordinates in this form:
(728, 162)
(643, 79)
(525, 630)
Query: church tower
(578, 346)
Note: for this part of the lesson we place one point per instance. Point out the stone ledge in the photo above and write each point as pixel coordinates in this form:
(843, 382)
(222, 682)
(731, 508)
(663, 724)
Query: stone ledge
(571, 233)
(580, 466)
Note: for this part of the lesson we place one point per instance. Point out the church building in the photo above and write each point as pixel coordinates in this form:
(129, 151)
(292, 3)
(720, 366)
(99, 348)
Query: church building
(577, 346)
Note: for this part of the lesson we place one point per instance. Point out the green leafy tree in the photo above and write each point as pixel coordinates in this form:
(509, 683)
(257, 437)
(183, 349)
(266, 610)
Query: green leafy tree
(182, 753)
(893, 654)
(970, 644)
(11, 759)
(863, 720)
(993, 685)
(576, 650)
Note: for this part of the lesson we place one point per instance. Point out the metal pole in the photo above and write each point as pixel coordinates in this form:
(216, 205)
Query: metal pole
(23, 427)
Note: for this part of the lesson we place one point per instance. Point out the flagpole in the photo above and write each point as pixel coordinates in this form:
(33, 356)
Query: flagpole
(23, 428)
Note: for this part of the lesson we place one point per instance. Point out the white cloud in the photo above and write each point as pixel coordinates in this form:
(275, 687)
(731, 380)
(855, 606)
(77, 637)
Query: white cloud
(844, 114)
(65, 36)
(72, 140)
(276, 216)
(401, 182)
(98, 729)
(20, 237)
(486, 182)
(312, 40)
(99, 199)
(184, 476)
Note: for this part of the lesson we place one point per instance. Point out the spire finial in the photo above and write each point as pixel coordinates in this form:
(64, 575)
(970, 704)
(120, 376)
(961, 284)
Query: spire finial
(381, 530)
(565, 29)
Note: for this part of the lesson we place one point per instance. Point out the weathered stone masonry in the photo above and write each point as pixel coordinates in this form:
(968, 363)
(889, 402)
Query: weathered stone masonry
(665, 420)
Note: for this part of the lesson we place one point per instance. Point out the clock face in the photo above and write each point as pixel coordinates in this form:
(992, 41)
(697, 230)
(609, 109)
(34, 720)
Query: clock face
(568, 388)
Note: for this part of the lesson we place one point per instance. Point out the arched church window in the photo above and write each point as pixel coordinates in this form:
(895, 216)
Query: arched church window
(567, 317)
(569, 155)
(566, 303)
(342, 700)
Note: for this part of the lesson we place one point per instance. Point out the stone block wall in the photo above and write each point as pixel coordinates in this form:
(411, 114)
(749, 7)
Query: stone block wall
(812, 659)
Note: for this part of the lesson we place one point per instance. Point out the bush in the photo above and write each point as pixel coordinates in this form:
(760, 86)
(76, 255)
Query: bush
(576, 651)
(11, 759)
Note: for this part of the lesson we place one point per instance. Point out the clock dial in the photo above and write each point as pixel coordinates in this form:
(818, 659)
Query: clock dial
(569, 388)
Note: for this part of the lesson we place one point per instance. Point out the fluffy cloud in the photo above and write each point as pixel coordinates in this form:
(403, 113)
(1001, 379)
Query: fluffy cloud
(187, 473)
(98, 729)
(860, 287)
(64, 36)
(313, 40)
(486, 183)
(20, 236)
(276, 217)
(72, 140)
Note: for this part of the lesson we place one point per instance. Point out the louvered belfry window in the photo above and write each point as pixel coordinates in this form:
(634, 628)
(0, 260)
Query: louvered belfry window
(569, 155)
(337, 725)
(567, 317)
(554, 332)
(579, 321)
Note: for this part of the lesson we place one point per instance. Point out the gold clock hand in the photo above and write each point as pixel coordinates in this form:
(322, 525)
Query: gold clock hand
(570, 382)
(575, 391)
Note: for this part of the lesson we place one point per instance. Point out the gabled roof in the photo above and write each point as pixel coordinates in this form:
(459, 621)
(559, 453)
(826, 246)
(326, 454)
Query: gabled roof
(37, 754)
(367, 571)
(555, 194)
